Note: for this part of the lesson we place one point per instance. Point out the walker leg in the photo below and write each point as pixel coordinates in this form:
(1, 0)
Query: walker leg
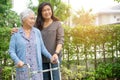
(59, 70)
(51, 72)
(59, 73)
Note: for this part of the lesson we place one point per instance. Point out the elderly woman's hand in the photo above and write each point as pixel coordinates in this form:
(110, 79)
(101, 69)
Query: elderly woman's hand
(20, 64)
(54, 59)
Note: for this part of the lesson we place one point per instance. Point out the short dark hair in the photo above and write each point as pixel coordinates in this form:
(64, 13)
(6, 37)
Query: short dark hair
(40, 20)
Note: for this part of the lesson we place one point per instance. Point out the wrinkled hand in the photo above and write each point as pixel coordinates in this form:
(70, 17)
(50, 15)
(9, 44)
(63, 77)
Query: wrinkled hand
(14, 30)
(54, 59)
(20, 64)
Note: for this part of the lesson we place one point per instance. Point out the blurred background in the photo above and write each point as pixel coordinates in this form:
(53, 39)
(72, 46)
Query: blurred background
(92, 37)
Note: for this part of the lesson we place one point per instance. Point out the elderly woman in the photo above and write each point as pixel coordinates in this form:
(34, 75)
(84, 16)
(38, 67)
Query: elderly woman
(26, 46)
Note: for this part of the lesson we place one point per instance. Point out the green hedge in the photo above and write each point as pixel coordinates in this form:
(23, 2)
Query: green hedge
(81, 47)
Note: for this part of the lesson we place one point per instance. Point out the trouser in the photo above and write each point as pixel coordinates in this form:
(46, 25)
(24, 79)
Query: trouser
(55, 73)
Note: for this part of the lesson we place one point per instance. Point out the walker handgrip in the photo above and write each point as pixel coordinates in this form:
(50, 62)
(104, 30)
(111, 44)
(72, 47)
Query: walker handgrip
(27, 65)
(57, 61)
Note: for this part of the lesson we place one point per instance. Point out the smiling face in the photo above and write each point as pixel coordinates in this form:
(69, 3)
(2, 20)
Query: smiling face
(46, 12)
(29, 20)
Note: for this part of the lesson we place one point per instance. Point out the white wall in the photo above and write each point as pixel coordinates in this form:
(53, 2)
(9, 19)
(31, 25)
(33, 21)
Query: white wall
(107, 18)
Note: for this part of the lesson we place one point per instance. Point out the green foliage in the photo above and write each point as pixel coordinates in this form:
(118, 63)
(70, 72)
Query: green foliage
(9, 19)
(4, 6)
(5, 60)
(6, 73)
(108, 70)
(4, 44)
(5, 37)
(31, 6)
(76, 72)
(65, 73)
(117, 1)
(12, 19)
(103, 71)
(62, 11)
(116, 69)
(84, 43)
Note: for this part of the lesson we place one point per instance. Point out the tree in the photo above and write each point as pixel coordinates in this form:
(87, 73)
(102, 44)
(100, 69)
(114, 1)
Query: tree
(83, 18)
(12, 19)
(4, 5)
(7, 16)
(62, 11)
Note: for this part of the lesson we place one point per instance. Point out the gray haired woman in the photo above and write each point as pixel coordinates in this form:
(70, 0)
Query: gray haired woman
(26, 46)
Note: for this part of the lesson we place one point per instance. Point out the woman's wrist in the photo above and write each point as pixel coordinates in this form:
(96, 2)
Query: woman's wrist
(56, 52)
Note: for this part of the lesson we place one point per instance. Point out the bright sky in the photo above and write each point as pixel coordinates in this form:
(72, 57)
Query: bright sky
(96, 5)
(20, 5)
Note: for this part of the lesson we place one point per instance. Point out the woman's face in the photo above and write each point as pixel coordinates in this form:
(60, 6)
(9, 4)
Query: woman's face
(29, 20)
(46, 12)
